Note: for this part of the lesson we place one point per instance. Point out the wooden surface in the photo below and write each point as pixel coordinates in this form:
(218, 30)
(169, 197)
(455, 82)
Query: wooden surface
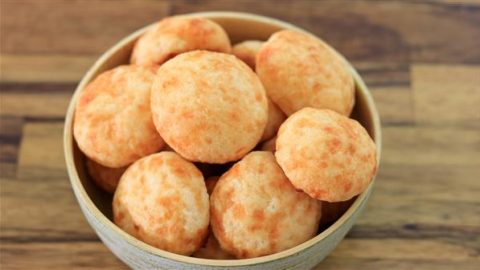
(421, 60)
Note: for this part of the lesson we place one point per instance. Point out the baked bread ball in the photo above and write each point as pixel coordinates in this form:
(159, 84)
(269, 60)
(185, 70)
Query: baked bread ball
(299, 70)
(256, 211)
(209, 107)
(175, 35)
(269, 145)
(211, 182)
(162, 200)
(113, 122)
(106, 178)
(212, 250)
(275, 119)
(247, 51)
(327, 155)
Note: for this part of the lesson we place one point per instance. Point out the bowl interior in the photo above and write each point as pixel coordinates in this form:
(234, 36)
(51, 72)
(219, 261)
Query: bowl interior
(239, 28)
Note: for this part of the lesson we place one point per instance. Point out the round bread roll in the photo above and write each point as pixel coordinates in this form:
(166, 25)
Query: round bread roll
(167, 148)
(299, 70)
(256, 211)
(329, 156)
(275, 119)
(105, 177)
(113, 123)
(175, 35)
(209, 107)
(212, 250)
(247, 51)
(162, 200)
(211, 182)
(269, 145)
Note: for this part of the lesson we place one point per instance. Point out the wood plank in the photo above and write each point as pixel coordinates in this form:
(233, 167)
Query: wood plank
(41, 210)
(78, 27)
(403, 31)
(446, 95)
(36, 100)
(62, 255)
(10, 136)
(35, 105)
(397, 264)
(460, 2)
(400, 254)
(8, 170)
(377, 74)
(10, 127)
(423, 146)
(440, 183)
(441, 201)
(407, 249)
(394, 104)
(44, 68)
(399, 36)
(41, 152)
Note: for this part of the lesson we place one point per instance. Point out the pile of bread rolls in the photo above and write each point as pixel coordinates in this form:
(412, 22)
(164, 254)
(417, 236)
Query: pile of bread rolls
(221, 152)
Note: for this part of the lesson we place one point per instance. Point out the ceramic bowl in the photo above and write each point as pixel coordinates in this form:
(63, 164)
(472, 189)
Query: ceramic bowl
(96, 205)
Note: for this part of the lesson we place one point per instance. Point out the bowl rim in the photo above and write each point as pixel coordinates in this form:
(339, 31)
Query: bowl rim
(81, 193)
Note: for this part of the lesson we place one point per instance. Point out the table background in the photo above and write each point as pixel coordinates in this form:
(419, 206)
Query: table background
(421, 60)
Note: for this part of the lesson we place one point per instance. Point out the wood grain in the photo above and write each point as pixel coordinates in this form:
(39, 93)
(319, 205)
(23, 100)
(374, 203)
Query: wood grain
(44, 164)
(43, 68)
(420, 59)
(376, 30)
(58, 255)
(36, 100)
(73, 27)
(447, 94)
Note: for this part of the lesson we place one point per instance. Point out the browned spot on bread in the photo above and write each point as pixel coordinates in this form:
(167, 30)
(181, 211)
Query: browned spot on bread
(319, 193)
(264, 54)
(171, 83)
(239, 211)
(187, 114)
(329, 130)
(234, 117)
(334, 145)
(86, 98)
(347, 186)
(234, 171)
(258, 215)
(258, 96)
(351, 149)
(119, 217)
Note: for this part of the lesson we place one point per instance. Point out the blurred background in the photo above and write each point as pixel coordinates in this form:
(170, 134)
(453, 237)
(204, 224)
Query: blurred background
(421, 60)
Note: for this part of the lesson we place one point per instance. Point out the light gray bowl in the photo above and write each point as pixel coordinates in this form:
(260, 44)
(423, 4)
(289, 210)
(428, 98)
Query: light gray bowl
(96, 205)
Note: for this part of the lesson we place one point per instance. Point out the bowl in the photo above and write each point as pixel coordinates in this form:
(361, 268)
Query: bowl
(96, 205)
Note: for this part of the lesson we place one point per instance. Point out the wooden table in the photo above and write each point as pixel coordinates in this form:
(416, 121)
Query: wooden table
(421, 60)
